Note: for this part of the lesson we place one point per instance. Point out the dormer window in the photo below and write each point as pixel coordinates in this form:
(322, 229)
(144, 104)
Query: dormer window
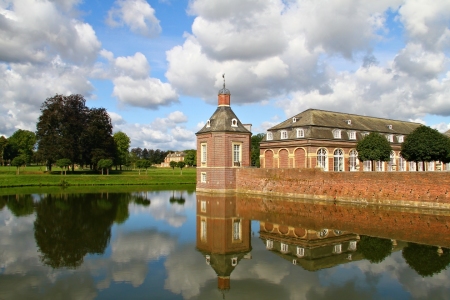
(390, 138)
(400, 138)
(349, 122)
(300, 133)
(294, 119)
(389, 126)
(284, 134)
(269, 136)
(234, 123)
(352, 135)
(208, 123)
(337, 133)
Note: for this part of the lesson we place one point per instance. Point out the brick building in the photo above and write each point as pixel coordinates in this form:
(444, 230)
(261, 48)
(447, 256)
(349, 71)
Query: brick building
(173, 156)
(223, 146)
(326, 139)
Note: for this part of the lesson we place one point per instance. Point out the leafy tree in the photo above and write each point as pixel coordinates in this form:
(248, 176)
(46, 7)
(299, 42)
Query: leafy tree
(143, 164)
(105, 164)
(17, 162)
(63, 163)
(190, 157)
(122, 142)
(3, 143)
(10, 152)
(374, 147)
(425, 259)
(181, 165)
(374, 249)
(426, 144)
(254, 149)
(21, 205)
(24, 142)
(173, 165)
(145, 154)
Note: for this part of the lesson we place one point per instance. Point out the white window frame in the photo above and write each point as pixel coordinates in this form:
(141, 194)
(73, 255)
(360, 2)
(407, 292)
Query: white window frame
(300, 251)
(337, 134)
(367, 166)
(322, 233)
(412, 166)
(338, 160)
(337, 249)
(204, 153)
(389, 126)
(203, 229)
(203, 177)
(269, 244)
(322, 158)
(379, 166)
(430, 166)
(284, 134)
(401, 164)
(284, 248)
(203, 206)
(352, 135)
(400, 138)
(294, 119)
(300, 133)
(390, 138)
(420, 166)
(352, 246)
(234, 122)
(391, 163)
(237, 230)
(269, 136)
(353, 160)
(208, 123)
(236, 151)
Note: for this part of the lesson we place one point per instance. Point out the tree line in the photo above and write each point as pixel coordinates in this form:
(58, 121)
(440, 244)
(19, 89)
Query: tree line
(68, 133)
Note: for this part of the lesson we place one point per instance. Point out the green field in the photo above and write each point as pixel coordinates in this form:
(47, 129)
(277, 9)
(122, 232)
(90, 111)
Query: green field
(36, 176)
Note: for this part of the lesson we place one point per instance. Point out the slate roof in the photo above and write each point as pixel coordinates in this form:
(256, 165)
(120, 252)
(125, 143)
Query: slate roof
(320, 124)
(221, 120)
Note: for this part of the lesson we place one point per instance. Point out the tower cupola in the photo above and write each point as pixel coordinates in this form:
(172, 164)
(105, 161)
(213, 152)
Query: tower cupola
(224, 95)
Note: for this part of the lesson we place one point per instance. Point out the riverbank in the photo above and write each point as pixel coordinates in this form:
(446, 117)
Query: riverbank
(32, 176)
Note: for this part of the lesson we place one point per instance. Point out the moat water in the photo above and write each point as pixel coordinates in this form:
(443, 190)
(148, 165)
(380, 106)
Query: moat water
(141, 243)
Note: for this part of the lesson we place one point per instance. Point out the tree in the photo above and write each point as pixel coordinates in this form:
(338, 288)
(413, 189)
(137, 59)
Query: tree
(426, 144)
(190, 157)
(105, 164)
(173, 165)
(122, 142)
(374, 147)
(63, 163)
(3, 142)
(181, 165)
(143, 164)
(254, 149)
(22, 142)
(18, 161)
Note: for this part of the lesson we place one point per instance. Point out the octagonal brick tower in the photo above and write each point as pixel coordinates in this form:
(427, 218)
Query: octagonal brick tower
(223, 146)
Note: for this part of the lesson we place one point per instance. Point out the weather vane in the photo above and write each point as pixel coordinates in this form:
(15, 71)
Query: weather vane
(223, 76)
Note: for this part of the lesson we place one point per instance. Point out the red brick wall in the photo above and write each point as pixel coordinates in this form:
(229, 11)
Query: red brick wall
(283, 158)
(422, 189)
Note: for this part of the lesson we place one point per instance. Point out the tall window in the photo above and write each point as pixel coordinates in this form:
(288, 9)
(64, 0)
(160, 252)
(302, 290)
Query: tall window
(352, 135)
(420, 166)
(367, 166)
(412, 166)
(203, 206)
(400, 138)
(338, 160)
(401, 163)
(237, 155)
(352, 246)
(337, 249)
(430, 166)
(284, 247)
(390, 138)
(337, 133)
(203, 177)
(300, 133)
(284, 134)
(300, 251)
(269, 244)
(391, 162)
(353, 160)
(203, 230)
(322, 159)
(237, 230)
(203, 155)
(269, 136)
(379, 166)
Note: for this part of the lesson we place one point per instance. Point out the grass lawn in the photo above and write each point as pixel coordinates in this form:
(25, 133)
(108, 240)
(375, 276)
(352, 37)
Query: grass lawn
(36, 176)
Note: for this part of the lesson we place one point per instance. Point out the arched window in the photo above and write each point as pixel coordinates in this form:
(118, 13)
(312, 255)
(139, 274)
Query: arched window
(208, 123)
(338, 160)
(322, 159)
(353, 160)
(391, 162)
(234, 123)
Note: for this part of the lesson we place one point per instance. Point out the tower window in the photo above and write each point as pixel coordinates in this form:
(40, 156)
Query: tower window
(208, 123)
(203, 154)
(237, 155)
(203, 177)
(234, 123)
(294, 119)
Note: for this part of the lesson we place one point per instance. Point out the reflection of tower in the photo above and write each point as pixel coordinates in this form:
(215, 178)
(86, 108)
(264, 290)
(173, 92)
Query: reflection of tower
(222, 236)
(223, 146)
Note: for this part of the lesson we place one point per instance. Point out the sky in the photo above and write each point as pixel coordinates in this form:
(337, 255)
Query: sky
(157, 66)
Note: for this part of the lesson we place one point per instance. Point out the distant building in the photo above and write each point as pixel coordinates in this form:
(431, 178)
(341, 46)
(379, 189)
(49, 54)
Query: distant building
(174, 156)
(326, 139)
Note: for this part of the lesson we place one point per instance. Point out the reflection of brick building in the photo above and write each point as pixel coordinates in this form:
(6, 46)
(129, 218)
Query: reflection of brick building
(317, 138)
(222, 236)
(174, 156)
(223, 145)
(313, 250)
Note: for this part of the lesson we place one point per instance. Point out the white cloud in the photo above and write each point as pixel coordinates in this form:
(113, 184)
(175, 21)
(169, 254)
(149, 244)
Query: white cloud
(138, 15)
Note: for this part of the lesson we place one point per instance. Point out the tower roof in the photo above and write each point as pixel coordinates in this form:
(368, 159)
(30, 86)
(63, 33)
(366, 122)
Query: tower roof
(223, 120)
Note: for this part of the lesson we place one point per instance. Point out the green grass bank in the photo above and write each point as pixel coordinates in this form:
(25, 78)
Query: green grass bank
(36, 176)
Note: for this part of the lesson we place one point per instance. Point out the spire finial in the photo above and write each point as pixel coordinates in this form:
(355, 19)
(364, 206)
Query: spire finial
(224, 91)
(223, 76)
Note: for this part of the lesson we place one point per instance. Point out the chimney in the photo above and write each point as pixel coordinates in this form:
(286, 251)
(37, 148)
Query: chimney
(224, 95)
